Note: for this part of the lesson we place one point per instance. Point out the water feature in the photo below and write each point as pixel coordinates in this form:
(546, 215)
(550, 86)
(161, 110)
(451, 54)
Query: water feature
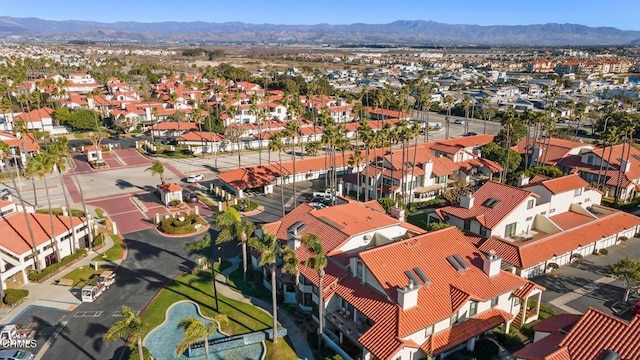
(162, 340)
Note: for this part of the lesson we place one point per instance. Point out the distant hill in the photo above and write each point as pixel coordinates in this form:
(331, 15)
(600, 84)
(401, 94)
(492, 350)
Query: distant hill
(403, 32)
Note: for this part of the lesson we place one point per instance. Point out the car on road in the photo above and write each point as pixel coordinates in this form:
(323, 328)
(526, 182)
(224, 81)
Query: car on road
(321, 200)
(194, 178)
(4, 192)
(191, 198)
(636, 309)
(16, 355)
(470, 133)
(317, 205)
(459, 121)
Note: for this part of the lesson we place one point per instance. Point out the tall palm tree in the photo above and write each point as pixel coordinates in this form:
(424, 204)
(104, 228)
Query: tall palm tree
(275, 144)
(508, 122)
(156, 168)
(354, 161)
(467, 102)
(368, 139)
(20, 128)
(292, 132)
(628, 128)
(318, 262)
(448, 100)
(610, 138)
(41, 165)
(234, 228)
(4, 150)
(195, 330)
(129, 326)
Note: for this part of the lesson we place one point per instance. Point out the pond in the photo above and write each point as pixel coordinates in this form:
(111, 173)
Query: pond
(163, 340)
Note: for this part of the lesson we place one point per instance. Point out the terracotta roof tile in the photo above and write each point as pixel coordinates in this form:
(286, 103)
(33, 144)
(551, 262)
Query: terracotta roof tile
(15, 236)
(543, 349)
(509, 198)
(170, 187)
(562, 184)
(557, 323)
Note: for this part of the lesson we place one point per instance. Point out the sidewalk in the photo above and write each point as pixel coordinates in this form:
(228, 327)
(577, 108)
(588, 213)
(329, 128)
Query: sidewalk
(298, 338)
(54, 296)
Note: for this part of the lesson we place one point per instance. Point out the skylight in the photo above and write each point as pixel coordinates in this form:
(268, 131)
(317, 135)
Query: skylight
(491, 203)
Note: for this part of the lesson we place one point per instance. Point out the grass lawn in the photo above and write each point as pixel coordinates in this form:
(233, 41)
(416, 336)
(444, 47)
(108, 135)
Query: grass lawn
(82, 274)
(207, 200)
(243, 318)
(79, 135)
(58, 211)
(419, 220)
(252, 287)
(114, 253)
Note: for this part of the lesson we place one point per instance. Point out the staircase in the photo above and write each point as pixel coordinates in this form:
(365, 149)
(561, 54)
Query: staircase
(517, 322)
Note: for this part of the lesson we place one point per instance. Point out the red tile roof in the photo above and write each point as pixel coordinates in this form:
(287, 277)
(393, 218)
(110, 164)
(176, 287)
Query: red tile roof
(194, 136)
(247, 178)
(509, 198)
(557, 323)
(555, 149)
(538, 250)
(562, 184)
(13, 141)
(461, 332)
(170, 187)
(173, 125)
(15, 235)
(543, 349)
(436, 301)
(36, 114)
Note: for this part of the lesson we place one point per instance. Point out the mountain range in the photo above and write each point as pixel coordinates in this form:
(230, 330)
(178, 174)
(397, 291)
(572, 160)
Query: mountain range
(403, 32)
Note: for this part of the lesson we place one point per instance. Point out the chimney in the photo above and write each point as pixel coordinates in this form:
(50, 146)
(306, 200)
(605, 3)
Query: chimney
(467, 201)
(625, 165)
(408, 296)
(491, 264)
(397, 212)
(428, 169)
(523, 180)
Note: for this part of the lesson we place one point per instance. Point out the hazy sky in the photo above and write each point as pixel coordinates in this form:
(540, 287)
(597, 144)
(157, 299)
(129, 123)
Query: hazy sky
(622, 14)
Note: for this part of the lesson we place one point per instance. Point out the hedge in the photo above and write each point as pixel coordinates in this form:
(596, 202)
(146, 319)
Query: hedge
(174, 226)
(133, 355)
(53, 268)
(603, 251)
(510, 342)
(14, 296)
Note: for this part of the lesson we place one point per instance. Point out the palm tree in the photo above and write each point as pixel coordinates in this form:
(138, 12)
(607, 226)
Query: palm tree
(354, 161)
(448, 100)
(467, 102)
(368, 139)
(610, 138)
(195, 330)
(234, 228)
(318, 261)
(20, 127)
(275, 144)
(130, 326)
(508, 123)
(156, 168)
(4, 150)
(292, 132)
(41, 165)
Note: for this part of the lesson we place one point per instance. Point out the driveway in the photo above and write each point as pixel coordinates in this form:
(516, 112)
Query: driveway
(578, 287)
(152, 261)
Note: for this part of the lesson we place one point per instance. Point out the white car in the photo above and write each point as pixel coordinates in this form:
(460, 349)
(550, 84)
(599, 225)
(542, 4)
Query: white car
(195, 178)
(459, 122)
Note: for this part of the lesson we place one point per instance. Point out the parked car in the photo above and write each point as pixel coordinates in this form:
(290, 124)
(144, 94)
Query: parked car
(194, 178)
(459, 121)
(191, 198)
(636, 309)
(4, 192)
(317, 205)
(321, 200)
(16, 355)
(470, 133)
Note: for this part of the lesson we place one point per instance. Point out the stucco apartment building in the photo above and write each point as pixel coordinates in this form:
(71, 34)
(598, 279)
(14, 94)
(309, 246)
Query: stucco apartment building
(16, 247)
(391, 290)
(544, 221)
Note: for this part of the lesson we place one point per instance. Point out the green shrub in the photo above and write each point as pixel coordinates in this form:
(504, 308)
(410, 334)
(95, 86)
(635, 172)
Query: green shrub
(98, 241)
(485, 349)
(174, 226)
(435, 225)
(53, 268)
(527, 330)
(174, 202)
(437, 202)
(245, 206)
(510, 342)
(603, 251)
(14, 296)
(623, 238)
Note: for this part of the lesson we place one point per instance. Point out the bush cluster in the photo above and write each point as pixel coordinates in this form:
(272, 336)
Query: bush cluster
(174, 202)
(174, 226)
(53, 268)
(510, 342)
(14, 296)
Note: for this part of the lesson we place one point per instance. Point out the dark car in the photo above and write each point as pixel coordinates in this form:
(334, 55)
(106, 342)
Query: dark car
(191, 198)
(321, 200)
(470, 133)
(636, 309)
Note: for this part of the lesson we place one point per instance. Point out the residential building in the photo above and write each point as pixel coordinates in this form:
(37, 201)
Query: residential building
(594, 335)
(436, 300)
(16, 247)
(17, 153)
(549, 151)
(545, 221)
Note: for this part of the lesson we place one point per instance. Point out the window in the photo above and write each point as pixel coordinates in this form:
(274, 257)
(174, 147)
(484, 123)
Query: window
(467, 225)
(531, 203)
(543, 213)
(516, 301)
(510, 230)
(360, 269)
(483, 231)
(473, 308)
(454, 319)
(428, 330)
(552, 211)
(587, 200)
(494, 302)
(578, 192)
(529, 218)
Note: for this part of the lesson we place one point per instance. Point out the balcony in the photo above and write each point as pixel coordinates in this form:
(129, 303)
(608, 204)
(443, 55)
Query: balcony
(343, 322)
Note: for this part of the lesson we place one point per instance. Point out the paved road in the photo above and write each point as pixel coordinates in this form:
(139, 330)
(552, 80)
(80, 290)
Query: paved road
(578, 287)
(151, 262)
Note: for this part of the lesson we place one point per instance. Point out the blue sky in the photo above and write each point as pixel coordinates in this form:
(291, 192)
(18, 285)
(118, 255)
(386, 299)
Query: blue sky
(623, 15)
